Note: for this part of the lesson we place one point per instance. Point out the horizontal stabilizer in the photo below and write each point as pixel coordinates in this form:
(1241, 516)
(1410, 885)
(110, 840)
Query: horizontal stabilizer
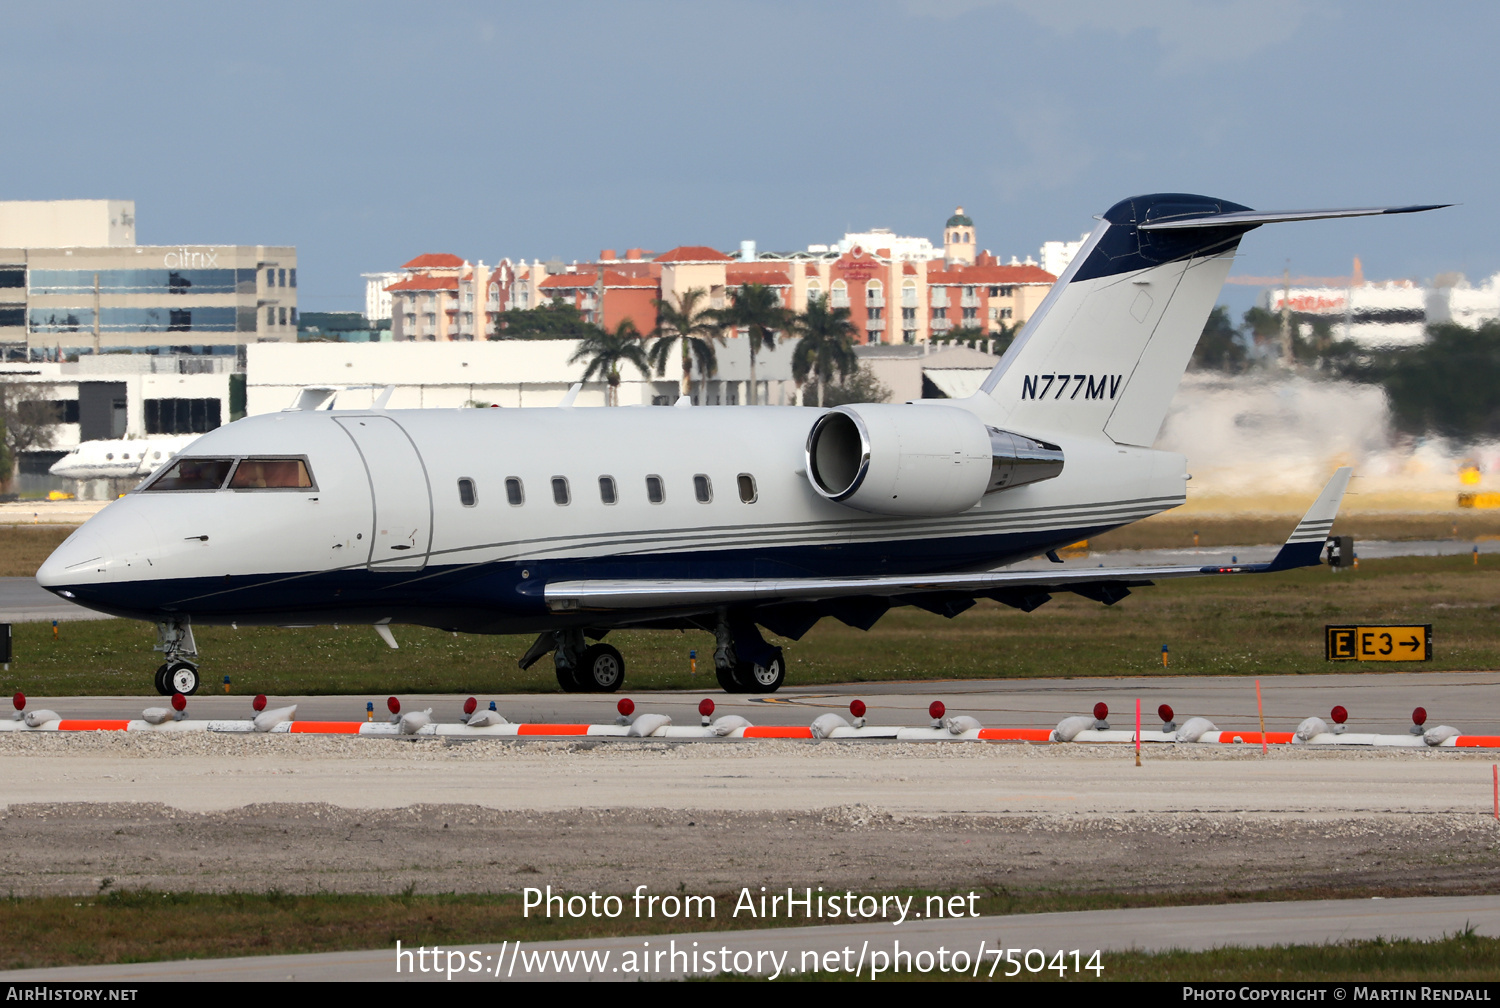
(1256, 217)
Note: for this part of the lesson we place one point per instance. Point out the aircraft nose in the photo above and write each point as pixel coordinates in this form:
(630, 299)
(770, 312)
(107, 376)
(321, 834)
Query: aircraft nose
(103, 549)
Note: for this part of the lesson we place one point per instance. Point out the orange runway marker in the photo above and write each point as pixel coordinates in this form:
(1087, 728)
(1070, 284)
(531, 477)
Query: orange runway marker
(552, 729)
(326, 727)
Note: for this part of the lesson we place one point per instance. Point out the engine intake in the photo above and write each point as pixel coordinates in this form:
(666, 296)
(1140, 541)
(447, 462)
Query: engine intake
(919, 461)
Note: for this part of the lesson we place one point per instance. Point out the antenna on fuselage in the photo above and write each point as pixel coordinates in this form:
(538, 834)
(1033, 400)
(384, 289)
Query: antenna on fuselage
(382, 400)
(571, 395)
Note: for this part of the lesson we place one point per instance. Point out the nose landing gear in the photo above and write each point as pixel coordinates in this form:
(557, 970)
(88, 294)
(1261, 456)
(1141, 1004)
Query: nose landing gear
(178, 674)
(177, 677)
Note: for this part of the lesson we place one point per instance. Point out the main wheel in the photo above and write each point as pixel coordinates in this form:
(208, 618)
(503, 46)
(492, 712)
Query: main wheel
(601, 669)
(729, 680)
(568, 679)
(182, 677)
(161, 681)
(762, 678)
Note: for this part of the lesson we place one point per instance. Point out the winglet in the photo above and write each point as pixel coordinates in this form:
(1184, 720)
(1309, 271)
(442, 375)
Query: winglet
(1304, 547)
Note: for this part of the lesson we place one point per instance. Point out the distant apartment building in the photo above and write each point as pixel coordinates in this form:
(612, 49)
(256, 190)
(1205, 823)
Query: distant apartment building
(73, 281)
(378, 297)
(898, 290)
(442, 298)
(1057, 256)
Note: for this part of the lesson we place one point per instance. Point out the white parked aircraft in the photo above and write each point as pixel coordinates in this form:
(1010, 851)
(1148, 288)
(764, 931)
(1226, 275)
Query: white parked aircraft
(569, 523)
(119, 459)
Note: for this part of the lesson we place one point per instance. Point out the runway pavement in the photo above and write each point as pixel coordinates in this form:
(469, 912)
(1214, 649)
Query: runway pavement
(804, 950)
(22, 600)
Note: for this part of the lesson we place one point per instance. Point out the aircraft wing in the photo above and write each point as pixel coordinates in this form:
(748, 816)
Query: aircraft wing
(1302, 548)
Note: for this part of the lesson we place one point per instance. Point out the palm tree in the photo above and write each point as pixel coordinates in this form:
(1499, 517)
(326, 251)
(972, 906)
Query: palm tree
(757, 309)
(825, 344)
(695, 328)
(605, 351)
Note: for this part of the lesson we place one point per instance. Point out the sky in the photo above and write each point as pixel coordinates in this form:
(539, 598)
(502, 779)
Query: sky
(368, 133)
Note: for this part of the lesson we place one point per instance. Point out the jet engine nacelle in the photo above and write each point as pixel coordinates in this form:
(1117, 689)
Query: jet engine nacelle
(919, 460)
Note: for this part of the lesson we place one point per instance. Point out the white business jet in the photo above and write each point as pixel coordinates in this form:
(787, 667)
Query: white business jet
(121, 458)
(570, 523)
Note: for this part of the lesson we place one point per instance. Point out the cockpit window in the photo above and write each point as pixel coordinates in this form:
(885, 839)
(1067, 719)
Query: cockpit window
(193, 474)
(249, 474)
(271, 474)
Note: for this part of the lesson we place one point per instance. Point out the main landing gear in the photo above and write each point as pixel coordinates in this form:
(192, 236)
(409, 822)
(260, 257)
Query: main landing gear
(178, 674)
(581, 667)
(743, 661)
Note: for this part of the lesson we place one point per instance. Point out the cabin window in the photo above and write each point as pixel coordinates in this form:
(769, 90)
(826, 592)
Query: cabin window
(560, 490)
(607, 489)
(703, 489)
(747, 488)
(655, 492)
(466, 495)
(193, 474)
(271, 474)
(514, 492)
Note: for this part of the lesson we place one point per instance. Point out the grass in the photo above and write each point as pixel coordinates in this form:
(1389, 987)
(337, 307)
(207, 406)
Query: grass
(1169, 530)
(24, 547)
(1461, 958)
(1253, 625)
(147, 926)
(1465, 957)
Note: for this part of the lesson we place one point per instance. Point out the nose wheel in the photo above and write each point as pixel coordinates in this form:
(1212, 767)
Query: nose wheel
(177, 677)
(178, 674)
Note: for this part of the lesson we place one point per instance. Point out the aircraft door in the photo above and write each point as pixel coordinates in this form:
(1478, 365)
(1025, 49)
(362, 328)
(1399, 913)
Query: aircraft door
(401, 534)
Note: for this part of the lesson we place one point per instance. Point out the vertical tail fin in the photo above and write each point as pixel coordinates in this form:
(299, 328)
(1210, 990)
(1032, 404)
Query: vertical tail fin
(1105, 351)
